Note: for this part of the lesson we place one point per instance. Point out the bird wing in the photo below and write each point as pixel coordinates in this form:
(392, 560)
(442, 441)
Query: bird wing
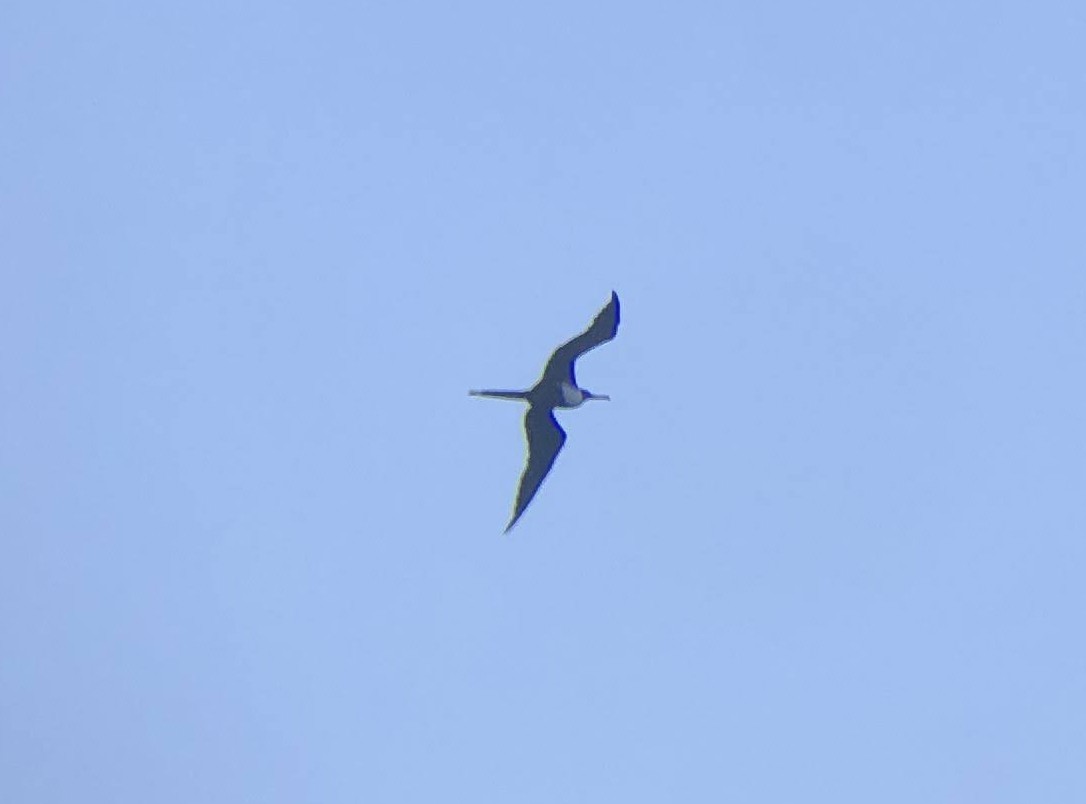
(545, 440)
(602, 329)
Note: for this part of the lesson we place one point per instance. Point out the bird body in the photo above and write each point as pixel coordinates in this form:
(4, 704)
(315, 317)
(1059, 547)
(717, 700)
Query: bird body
(557, 388)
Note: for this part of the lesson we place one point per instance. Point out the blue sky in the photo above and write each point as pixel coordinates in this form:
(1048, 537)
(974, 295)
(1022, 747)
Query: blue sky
(824, 545)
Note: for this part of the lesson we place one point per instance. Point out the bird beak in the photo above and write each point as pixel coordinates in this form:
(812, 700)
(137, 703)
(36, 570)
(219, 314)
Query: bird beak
(600, 396)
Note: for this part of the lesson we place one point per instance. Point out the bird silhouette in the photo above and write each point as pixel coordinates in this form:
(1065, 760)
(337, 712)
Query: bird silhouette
(556, 388)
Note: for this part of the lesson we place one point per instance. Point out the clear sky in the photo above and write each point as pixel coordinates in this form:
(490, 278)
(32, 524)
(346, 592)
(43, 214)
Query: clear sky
(826, 544)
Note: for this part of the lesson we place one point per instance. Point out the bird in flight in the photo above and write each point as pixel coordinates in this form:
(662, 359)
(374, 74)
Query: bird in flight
(557, 388)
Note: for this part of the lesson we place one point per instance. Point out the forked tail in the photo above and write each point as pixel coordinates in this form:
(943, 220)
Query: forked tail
(501, 394)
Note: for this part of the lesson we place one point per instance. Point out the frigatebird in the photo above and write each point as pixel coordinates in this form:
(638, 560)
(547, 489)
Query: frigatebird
(557, 388)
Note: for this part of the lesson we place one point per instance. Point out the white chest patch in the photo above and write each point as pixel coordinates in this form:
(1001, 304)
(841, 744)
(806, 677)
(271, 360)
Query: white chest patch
(572, 395)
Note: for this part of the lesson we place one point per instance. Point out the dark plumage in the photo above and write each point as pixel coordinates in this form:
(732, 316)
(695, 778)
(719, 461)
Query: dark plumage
(556, 388)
